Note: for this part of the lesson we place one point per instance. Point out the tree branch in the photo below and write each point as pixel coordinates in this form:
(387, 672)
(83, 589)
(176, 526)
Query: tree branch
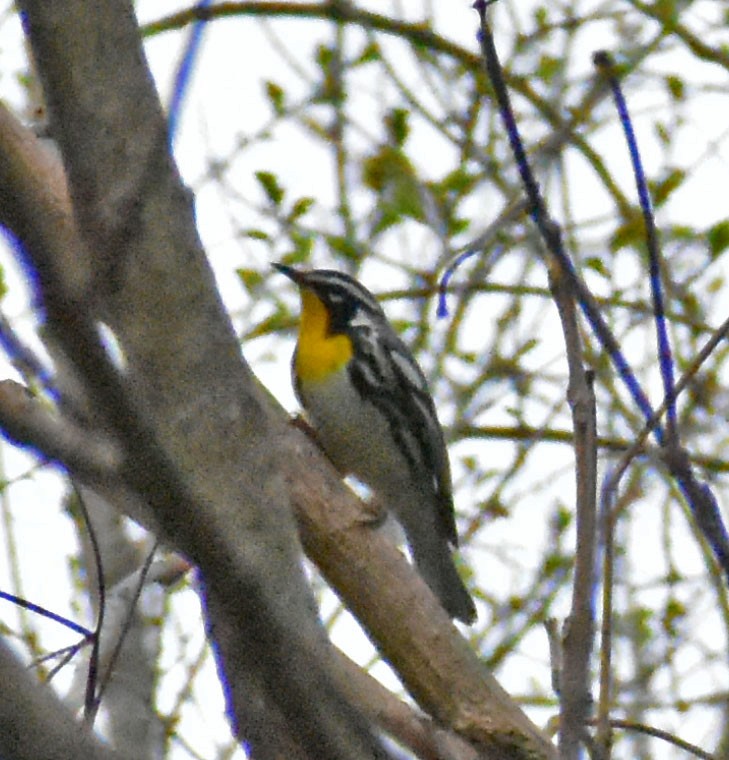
(197, 432)
(33, 723)
(25, 420)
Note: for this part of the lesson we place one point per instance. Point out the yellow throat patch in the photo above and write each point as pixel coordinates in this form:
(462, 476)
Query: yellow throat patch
(318, 353)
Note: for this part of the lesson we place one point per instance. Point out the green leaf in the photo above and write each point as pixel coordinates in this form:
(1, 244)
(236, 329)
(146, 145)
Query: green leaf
(667, 11)
(516, 603)
(596, 264)
(548, 67)
(631, 232)
(300, 208)
(541, 17)
(676, 88)
(279, 320)
(391, 175)
(660, 191)
(715, 285)
(718, 238)
(303, 246)
(256, 234)
(398, 125)
(344, 246)
(663, 132)
(470, 463)
(276, 97)
(370, 54)
(563, 519)
(674, 613)
(324, 56)
(272, 188)
(295, 257)
(251, 278)
(553, 563)
(640, 622)
(458, 182)
(494, 507)
(458, 225)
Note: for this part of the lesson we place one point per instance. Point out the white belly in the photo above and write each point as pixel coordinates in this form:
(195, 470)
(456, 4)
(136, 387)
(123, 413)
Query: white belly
(351, 431)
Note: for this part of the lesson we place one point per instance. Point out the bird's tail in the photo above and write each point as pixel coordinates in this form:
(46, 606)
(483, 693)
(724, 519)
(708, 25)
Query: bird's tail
(433, 559)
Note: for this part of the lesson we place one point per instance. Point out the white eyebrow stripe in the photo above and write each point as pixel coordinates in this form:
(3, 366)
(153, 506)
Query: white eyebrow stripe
(330, 280)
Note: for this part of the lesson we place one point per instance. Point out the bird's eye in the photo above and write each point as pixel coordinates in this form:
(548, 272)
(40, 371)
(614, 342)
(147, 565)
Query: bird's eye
(349, 309)
(342, 310)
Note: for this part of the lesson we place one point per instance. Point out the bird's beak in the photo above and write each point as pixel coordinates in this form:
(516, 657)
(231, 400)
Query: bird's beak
(290, 272)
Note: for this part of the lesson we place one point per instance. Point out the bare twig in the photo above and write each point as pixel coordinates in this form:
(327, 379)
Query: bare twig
(665, 736)
(567, 290)
(575, 693)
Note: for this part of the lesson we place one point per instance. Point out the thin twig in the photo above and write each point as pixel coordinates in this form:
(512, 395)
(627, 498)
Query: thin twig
(184, 72)
(549, 230)
(604, 63)
(665, 736)
(575, 693)
(129, 619)
(92, 677)
(36, 608)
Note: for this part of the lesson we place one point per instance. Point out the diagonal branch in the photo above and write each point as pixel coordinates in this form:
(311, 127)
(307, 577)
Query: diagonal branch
(192, 437)
(34, 724)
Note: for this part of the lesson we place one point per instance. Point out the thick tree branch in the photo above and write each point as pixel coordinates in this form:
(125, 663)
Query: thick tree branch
(34, 724)
(402, 616)
(27, 422)
(195, 423)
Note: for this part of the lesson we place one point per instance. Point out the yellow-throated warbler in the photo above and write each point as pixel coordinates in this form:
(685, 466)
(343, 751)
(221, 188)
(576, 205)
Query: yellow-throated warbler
(369, 403)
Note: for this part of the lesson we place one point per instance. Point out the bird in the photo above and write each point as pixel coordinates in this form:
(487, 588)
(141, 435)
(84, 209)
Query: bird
(369, 404)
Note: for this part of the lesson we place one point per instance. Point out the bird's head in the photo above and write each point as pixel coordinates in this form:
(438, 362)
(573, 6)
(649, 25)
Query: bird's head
(333, 303)
(334, 307)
